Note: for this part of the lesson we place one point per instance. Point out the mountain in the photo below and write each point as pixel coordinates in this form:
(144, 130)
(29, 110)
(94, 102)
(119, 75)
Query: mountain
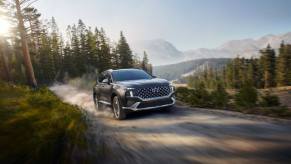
(162, 52)
(178, 70)
(244, 48)
(159, 51)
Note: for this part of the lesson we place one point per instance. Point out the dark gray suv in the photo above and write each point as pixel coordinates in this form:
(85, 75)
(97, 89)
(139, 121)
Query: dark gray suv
(132, 90)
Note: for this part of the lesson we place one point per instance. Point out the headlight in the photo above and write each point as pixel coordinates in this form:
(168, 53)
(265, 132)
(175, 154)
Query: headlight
(129, 92)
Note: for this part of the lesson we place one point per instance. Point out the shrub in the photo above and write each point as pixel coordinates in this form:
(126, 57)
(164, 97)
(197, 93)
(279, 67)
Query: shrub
(199, 97)
(270, 100)
(183, 94)
(220, 97)
(247, 96)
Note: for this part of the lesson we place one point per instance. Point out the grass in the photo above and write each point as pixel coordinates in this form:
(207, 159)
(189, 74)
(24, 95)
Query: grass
(36, 127)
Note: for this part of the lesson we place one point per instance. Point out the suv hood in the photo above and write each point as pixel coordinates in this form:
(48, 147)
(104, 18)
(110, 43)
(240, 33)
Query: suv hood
(144, 83)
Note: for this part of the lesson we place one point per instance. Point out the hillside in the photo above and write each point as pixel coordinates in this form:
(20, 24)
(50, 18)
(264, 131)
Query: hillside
(162, 52)
(175, 71)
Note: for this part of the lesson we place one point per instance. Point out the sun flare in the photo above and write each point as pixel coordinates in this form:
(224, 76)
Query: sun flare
(4, 26)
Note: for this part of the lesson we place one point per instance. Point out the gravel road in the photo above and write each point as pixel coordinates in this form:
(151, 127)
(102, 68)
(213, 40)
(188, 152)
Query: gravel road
(184, 135)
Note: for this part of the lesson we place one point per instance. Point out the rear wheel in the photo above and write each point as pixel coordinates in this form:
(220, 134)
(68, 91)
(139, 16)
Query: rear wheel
(118, 112)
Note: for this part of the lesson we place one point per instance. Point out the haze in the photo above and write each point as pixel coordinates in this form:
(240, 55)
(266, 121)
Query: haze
(188, 24)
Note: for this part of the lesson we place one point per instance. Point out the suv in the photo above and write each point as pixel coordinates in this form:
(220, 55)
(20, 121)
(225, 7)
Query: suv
(132, 90)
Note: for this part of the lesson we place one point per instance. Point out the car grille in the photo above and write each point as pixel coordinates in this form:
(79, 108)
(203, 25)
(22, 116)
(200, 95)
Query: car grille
(152, 92)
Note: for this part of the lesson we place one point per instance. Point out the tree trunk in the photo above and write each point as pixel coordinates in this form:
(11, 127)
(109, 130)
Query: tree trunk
(3, 60)
(25, 51)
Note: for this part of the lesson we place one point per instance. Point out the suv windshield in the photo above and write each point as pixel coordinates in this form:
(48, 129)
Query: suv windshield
(134, 74)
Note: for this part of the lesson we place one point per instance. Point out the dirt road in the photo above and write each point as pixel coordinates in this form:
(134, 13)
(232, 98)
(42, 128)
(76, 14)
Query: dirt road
(185, 135)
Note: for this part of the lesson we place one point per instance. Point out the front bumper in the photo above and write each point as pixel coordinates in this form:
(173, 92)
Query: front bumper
(138, 104)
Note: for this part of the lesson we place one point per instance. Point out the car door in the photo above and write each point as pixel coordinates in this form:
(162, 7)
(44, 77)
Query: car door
(105, 88)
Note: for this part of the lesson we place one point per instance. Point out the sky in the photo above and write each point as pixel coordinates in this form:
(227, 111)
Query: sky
(188, 24)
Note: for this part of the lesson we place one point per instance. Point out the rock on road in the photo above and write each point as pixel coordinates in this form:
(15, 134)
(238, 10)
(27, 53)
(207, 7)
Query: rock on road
(185, 135)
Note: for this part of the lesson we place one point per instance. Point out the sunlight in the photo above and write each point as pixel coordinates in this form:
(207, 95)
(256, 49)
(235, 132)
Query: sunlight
(4, 26)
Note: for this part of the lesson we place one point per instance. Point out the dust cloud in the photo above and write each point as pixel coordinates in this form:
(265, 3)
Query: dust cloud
(81, 98)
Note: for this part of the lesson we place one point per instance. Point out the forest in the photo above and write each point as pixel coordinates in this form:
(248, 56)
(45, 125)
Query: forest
(55, 56)
(270, 70)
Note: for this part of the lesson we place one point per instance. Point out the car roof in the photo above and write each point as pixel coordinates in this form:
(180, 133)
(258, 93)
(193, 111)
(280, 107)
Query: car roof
(123, 69)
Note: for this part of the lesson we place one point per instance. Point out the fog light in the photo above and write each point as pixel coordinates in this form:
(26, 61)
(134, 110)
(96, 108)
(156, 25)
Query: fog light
(172, 88)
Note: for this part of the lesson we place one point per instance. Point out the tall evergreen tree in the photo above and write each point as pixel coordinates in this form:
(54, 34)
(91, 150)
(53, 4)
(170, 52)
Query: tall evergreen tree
(123, 49)
(26, 55)
(84, 51)
(104, 50)
(55, 46)
(92, 52)
(47, 69)
(268, 61)
(145, 62)
(76, 53)
(283, 65)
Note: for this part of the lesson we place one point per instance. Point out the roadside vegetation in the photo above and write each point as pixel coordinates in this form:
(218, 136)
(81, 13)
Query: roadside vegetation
(36, 127)
(247, 100)
(244, 84)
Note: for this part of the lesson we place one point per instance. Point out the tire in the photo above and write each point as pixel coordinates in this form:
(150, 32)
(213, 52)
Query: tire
(118, 112)
(96, 104)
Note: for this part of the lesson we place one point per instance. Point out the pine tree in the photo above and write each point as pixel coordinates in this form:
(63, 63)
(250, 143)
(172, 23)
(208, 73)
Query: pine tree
(91, 49)
(229, 75)
(145, 62)
(268, 61)
(283, 65)
(104, 52)
(27, 60)
(47, 68)
(123, 49)
(288, 58)
(76, 53)
(115, 58)
(55, 46)
(83, 56)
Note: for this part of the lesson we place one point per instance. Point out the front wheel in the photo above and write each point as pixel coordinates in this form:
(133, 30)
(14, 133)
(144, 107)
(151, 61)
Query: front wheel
(118, 112)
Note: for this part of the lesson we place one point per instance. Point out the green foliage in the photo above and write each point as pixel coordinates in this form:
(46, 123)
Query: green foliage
(53, 60)
(268, 62)
(269, 100)
(198, 97)
(283, 65)
(126, 60)
(184, 94)
(145, 65)
(37, 127)
(266, 72)
(247, 96)
(220, 96)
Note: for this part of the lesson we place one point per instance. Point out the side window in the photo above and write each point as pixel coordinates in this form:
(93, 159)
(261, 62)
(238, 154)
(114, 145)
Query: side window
(104, 77)
(101, 78)
(109, 78)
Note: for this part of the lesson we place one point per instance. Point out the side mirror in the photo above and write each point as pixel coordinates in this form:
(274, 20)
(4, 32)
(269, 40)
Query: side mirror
(106, 81)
